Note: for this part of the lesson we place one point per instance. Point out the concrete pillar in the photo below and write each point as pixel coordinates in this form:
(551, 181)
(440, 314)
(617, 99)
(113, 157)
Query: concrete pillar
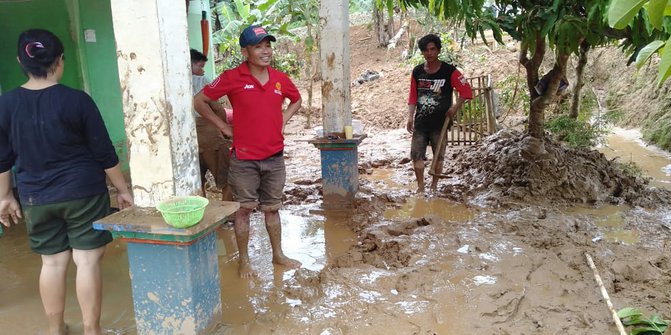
(335, 65)
(174, 272)
(339, 155)
(155, 78)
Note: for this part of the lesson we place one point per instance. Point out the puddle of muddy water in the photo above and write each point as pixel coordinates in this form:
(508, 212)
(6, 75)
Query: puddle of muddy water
(20, 305)
(610, 220)
(629, 237)
(313, 239)
(418, 206)
(627, 146)
(388, 179)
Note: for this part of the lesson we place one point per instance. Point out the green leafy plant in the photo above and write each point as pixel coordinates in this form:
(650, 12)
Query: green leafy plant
(358, 6)
(275, 15)
(642, 325)
(649, 24)
(287, 63)
(513, 94)
(447, 52)
(575, 133)
(632, 170)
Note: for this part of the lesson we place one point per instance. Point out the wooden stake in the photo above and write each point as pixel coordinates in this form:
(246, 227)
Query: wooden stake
(604, 293)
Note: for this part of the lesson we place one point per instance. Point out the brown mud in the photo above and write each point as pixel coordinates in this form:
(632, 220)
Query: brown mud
(498, 249)
(509, 260)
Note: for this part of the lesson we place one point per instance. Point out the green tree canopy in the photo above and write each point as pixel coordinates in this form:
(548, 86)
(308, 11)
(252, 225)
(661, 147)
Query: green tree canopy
(649, 22)
(558, 25)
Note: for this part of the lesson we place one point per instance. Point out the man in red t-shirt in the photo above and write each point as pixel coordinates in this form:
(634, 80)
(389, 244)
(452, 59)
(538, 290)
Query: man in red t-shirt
(430, 102)
(257, 172)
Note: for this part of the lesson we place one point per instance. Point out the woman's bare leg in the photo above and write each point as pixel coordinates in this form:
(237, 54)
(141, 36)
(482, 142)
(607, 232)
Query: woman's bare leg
(52, 289)
(89, 287)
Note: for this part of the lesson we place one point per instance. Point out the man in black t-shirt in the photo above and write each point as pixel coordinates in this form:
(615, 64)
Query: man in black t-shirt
(430, 102)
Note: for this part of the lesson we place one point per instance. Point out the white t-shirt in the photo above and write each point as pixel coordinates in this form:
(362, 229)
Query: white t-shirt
(197, 84)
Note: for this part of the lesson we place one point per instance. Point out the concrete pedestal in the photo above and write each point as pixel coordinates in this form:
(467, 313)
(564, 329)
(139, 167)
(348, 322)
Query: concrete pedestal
(174, 272)
(340, 170)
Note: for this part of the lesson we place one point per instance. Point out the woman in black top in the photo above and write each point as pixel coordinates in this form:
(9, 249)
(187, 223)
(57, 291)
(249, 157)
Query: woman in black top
(56, 139)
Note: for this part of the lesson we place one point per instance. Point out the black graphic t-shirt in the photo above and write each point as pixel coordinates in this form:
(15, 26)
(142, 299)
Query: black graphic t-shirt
(434, 96)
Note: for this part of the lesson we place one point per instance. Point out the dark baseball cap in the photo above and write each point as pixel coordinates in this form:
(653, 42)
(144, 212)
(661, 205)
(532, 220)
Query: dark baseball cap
(252, 35)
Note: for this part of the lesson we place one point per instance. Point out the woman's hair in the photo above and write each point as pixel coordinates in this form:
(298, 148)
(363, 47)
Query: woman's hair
(39, 50)
(430, 38)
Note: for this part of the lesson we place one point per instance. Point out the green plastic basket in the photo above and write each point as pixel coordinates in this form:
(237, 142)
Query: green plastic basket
(183, 212)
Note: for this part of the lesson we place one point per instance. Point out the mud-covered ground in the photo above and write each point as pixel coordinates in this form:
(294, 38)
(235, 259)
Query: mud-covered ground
(499, 248)
(500, 251)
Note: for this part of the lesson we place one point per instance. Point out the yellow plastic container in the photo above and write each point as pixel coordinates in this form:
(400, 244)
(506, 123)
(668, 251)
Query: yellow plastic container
(183, 212)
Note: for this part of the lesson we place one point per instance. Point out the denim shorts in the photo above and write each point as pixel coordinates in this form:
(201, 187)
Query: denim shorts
(420, 140)
(54, 228)
(258, 182)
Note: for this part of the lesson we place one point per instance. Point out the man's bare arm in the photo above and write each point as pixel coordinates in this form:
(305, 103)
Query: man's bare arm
(455, 107)
(203, 106)
(410, 125)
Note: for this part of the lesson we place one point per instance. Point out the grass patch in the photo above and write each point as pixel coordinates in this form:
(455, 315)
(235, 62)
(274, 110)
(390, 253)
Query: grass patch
(630, 169)
(657, 129)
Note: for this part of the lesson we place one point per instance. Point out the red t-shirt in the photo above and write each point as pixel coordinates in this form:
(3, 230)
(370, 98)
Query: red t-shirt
(257, 120)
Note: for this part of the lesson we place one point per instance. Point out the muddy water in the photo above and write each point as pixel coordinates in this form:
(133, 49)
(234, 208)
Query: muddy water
(20, 304)
(388, 178)
(611, 222)
(419, 206)
(314, 239)
(627, 146)
(470, 271)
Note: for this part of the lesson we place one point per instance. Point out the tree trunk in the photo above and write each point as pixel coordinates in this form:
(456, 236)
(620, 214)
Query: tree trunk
(310, 76)
(540, 103)
(378, 22)
(390, 29)
(532, 65)
(579, 83)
